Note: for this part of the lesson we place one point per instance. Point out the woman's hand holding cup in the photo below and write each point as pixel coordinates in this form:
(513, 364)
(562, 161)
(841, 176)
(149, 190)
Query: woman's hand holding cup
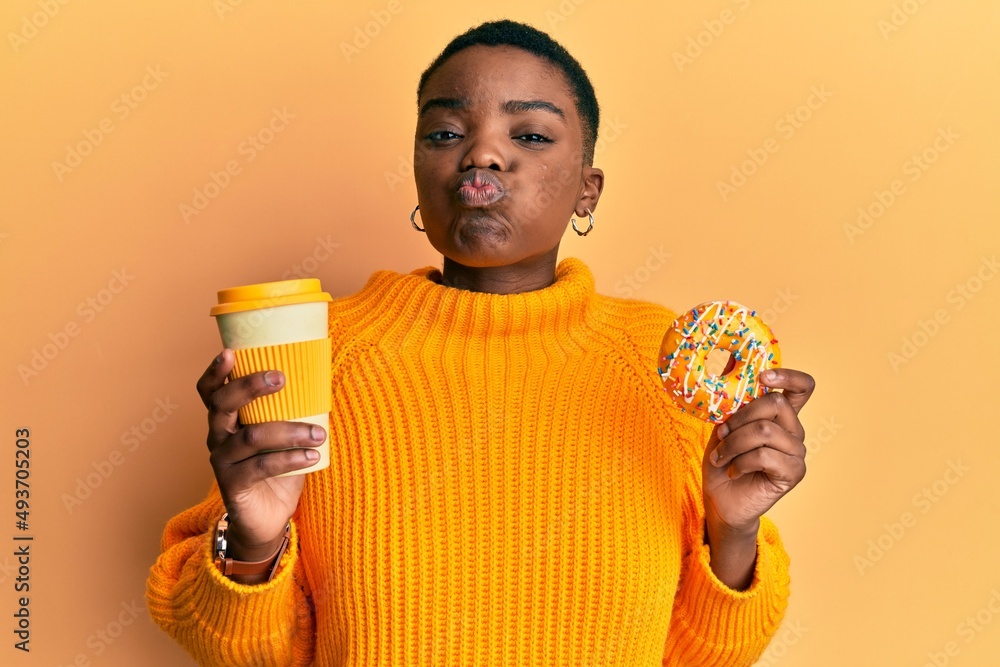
(246, 459)
(261, 441)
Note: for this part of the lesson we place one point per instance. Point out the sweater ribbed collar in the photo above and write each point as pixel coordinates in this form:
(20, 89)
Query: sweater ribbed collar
(560, 307)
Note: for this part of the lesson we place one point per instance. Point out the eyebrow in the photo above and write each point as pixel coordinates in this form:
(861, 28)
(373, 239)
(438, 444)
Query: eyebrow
(444, 103)
(522, 106)
(509, 107)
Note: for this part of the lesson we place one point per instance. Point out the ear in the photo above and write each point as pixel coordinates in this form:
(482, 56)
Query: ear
(590, 193)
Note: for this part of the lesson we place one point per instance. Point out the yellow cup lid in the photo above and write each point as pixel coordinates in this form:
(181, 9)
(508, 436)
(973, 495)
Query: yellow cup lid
(269, 295)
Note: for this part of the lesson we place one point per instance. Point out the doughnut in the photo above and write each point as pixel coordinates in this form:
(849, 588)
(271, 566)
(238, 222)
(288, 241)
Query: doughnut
(722, 325)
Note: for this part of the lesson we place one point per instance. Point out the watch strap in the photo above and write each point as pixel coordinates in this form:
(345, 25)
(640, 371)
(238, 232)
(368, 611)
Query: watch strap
(230, 566)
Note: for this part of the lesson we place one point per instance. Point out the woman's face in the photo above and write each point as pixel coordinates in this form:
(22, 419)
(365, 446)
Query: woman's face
(498, 158)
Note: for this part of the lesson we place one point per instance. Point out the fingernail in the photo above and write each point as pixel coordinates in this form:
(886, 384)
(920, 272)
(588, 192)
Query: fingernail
(272, 378)
(723, 431)
(316, 433)
(219, 359)
(716, 456)
(769, 376)
(312, 455)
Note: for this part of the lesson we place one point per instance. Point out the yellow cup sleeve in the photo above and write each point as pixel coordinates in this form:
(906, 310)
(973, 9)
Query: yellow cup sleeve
(307, 392)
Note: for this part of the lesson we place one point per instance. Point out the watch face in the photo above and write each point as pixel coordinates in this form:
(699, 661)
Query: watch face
(220, 537)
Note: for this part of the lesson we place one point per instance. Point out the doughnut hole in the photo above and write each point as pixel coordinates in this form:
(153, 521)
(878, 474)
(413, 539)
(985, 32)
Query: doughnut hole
(719, 362)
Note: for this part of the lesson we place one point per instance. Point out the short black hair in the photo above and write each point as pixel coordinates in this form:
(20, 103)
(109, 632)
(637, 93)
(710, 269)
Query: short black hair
(538, 43)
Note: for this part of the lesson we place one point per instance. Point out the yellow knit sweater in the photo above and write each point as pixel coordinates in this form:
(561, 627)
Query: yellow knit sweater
(510, 485)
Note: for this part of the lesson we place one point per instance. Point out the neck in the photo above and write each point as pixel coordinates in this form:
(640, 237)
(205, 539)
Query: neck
(434, 310)
(528, 275)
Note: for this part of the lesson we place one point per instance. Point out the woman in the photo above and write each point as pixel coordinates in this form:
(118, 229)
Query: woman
(509, 484)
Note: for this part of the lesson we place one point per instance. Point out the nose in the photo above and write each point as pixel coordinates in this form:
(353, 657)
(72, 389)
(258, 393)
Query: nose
(484, 153)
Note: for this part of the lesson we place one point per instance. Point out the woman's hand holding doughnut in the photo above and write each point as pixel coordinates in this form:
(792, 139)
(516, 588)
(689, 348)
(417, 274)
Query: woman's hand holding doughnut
(752, 460)
(757, 453)
(245, 461)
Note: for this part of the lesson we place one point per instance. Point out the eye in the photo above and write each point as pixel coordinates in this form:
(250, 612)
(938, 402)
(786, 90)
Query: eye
(442, 135)
(534, 138)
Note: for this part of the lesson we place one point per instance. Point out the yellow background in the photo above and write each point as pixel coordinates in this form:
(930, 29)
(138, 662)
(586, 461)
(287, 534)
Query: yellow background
(688, 92)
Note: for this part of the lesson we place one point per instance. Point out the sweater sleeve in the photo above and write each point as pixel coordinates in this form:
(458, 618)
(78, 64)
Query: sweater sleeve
(217, 620)
(713, 625)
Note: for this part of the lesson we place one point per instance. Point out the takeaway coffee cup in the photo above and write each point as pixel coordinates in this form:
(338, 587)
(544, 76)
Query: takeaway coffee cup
(282, 326)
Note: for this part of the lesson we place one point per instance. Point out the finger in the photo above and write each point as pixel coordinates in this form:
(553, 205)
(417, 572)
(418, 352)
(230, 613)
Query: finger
(757, 434)
(256, 469)
(255, 439)
(225, 402)
(781, 469)
(796, 385)
(774, 407)
(215, 375)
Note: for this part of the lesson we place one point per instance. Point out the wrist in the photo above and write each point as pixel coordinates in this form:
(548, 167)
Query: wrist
(243, 564)
(718, 529)
(717, 532)
(237, 549)
(732, 553)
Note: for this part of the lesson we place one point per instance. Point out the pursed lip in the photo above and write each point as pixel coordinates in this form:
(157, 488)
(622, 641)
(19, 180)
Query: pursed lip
(479, 187)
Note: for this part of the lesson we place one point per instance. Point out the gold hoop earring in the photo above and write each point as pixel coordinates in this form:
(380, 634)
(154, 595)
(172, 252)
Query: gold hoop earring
(414, 222)
(589, 227)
